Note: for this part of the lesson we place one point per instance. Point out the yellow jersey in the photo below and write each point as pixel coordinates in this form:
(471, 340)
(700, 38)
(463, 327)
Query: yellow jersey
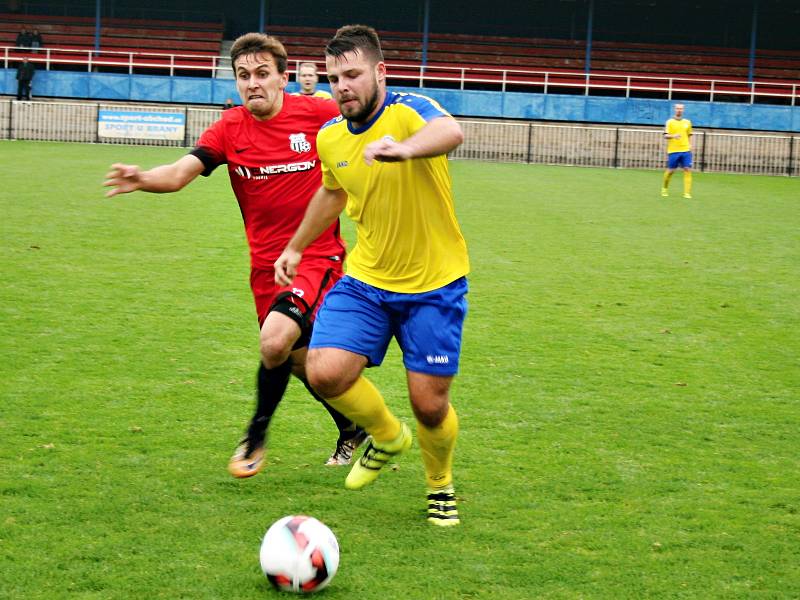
(408, 238)
(684, 128)
(317, 94)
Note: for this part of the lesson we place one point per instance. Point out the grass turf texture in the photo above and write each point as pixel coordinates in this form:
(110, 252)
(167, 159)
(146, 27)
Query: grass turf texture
(628, 395)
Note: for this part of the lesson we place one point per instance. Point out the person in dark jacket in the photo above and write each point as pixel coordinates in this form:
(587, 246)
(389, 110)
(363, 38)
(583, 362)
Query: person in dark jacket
(36, 40)
(24, 38)
(25, 73)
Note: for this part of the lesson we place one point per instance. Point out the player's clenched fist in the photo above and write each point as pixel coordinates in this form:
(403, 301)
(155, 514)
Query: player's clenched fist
(386, 150)
(286, 266)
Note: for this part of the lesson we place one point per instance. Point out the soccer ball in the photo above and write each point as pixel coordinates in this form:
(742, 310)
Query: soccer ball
(299, 554)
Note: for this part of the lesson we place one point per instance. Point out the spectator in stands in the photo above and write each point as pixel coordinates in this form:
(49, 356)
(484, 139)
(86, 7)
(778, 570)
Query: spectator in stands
(228, 104)
(24, 38)
(678, 132)
(307, 78)
(269, 148)
(25, 73)
(36, 40)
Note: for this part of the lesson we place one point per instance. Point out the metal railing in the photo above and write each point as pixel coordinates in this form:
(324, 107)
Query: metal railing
(488, 140)
(132, 62)
(624, 147)
(417, 75)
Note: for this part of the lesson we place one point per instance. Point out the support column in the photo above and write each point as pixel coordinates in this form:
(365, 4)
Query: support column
(262, 15)
(97, 25)
(753, 36)
(426, 18)
(589, 34)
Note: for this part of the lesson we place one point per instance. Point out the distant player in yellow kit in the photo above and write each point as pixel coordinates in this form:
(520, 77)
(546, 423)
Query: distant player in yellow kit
(677, 132)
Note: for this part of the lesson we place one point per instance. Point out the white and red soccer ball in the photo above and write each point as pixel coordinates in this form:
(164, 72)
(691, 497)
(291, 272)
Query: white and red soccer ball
(299, 554)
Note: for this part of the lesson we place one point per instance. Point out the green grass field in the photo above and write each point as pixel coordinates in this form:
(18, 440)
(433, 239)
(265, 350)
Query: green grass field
(628, 395)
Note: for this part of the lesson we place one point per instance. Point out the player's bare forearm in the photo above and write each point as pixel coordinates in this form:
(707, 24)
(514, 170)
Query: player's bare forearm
(438, 136)
(164, 179)
(124, 178)
(324, 208)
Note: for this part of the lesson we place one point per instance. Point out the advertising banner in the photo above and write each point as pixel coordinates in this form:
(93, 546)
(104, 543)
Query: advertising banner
(141, 125)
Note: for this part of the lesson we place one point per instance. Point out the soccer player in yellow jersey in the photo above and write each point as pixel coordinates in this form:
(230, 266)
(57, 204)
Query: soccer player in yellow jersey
(384, 162)
(678, 132)
(307, 78)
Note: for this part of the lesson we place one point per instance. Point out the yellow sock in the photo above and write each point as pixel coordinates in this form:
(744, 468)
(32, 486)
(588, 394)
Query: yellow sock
(687, 182)
(437, 445)
(667, 177)
(364, 405)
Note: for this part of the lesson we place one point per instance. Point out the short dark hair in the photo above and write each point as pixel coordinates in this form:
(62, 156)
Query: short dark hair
(257, 43)
(355, 38)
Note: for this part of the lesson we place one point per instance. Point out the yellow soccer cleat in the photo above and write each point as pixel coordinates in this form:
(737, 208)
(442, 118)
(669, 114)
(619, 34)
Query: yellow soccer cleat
(687, 196)
(442, 509)
(664, 192)
(367, 468)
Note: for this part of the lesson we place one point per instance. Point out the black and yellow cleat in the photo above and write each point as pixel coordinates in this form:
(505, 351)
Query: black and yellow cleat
(367, 468)
(442, 509)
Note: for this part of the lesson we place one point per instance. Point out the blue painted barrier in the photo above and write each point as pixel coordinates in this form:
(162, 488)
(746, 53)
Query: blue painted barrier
(468, 103)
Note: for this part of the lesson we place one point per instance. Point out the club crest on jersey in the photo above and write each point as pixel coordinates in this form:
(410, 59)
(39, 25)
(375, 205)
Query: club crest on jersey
(298, 142)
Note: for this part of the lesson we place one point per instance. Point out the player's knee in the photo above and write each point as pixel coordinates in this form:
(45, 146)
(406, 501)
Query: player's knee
(327, 383)
(326, 378)
(431, 411)
(274, 350)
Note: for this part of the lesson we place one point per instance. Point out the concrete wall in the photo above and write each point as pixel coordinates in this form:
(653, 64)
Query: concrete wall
(467, 103)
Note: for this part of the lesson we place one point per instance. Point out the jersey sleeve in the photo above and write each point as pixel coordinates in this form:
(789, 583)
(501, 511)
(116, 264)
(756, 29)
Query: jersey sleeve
(210, 148)
(327, 110)
(324, 143)
(689, 129)
(425, 107)
(329, 179)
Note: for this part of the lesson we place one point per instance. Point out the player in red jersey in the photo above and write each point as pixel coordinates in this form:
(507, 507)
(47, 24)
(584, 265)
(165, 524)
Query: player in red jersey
(269, 146)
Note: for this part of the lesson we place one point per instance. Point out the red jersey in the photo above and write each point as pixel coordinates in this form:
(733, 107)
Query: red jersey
(274, 171)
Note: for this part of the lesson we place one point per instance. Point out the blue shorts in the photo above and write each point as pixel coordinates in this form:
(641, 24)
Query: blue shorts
(679, 160)
(361, 318)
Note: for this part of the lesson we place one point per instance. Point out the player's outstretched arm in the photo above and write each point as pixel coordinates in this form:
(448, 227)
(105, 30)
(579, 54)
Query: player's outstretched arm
(438, 136)
(123, 178)
(324, 208)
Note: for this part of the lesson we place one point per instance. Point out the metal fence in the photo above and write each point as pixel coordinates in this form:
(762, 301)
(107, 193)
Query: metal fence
(637, 148)
(78, 122)
(500, 141)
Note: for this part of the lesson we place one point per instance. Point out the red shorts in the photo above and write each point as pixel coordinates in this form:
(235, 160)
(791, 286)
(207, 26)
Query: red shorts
(315, 276)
